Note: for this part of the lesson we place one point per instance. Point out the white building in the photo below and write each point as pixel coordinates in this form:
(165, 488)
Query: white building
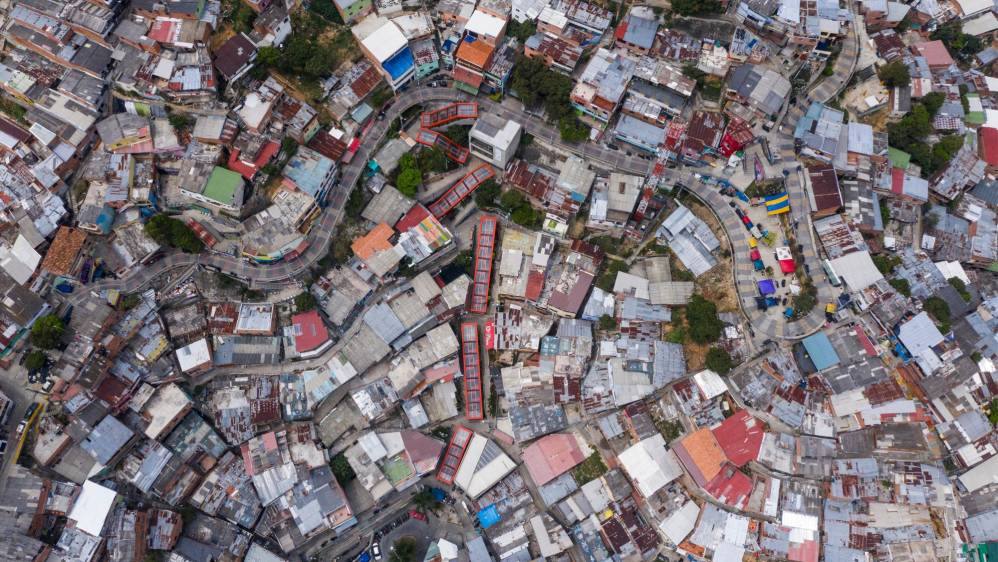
(387, 48)
(495, 140)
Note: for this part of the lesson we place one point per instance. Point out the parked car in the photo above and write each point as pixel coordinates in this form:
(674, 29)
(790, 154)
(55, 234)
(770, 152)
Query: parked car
(417, 515)
(20, 427)
(3, 446)
(376, 550)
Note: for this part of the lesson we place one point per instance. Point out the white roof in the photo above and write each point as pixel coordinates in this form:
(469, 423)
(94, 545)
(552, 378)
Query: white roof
(385, 41)
(919, 334)
(485, 24)
(980, 476)
(680, 524)
(91, 507)
(20, 260)
(799, 521)
(857, 270)
(193, 355)
(970, 7)
(951, 269)
(627, 282)
(373, 446)
(553, 17)
(650, 465)
(710, 383)
(476, 480)
(985, 23)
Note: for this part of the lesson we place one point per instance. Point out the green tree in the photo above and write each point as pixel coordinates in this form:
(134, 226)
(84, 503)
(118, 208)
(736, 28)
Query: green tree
(305, 301)
(409, 181)
(933, 101)
(961, 288)
(902, 286)
(404, 550)
(993, 411)
(180, 121)
(719, 361)
(701, 316)
(168, 231)
(525, 215)
(573, 130)
(886, 264)
(341, 469)
(607, 323)
(268, 57)
(432, 160)
(696, 7)
(35, 360)
(670, 429)
(895, 74)
(47, 332)
(486, 194)
(522, 31)
(425, 501)
(938, 308)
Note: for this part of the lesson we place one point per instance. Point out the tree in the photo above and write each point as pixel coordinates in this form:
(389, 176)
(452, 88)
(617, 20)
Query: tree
(35, 360)
(341, 469)
(719, 361)
(268, 57)
(961, 288)
(573, 130)
(404, 550)
(902, 286)
(704, 325)
(886, 264)
(525, 215)
(522, 31)
(409, 181)
(432, 160)
(695, 7)
(670, 429)
(933, 101)
(305, 301)
(607, 323)
(180, 122)
(486, 194)
(895, 74)
(47, 332)
(938, 308)
(426, 501)
(168, 231)
(993, 411)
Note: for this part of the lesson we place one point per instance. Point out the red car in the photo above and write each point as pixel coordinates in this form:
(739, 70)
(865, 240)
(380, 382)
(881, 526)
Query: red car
(417, 515)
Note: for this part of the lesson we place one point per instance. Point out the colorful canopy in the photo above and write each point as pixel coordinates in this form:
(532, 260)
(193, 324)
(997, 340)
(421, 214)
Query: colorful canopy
(777, 204)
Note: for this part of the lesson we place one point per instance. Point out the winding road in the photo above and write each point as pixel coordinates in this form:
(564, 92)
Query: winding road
(323, 231)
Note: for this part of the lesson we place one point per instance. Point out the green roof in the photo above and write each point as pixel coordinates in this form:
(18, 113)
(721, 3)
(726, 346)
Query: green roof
(898, 158)
(224, 186)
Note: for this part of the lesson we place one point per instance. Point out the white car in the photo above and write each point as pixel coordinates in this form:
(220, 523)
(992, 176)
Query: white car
(376, 550)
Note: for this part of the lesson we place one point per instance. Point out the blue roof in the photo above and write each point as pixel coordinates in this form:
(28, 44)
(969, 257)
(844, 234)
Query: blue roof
(489, 516)
(105, 219)
(308, 170)
(399, 63)
(820, 349)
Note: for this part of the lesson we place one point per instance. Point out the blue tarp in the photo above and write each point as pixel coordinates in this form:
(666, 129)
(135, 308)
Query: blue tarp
(820, 349)
(767, 287)
(489, 516)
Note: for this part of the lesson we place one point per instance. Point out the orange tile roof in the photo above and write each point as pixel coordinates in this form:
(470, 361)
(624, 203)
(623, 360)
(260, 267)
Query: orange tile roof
(702, 449)
(476, 53)
(373, 242)
(64, 251)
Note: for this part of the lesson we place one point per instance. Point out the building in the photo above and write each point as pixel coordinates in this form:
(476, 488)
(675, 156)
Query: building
(223, 191)
(495, 140)
(235, 57)
(637, 32)
(823, 190)
(353, 10)
(602, 85)
(384, 44)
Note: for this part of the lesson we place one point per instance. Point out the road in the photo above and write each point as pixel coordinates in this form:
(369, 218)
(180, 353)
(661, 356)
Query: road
(323, 231)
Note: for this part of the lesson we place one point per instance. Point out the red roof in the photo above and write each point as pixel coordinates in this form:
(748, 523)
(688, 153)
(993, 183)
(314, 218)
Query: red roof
(730, 486)
(551, 456)
(535, 282)
(787, 266)
(989, 145)
(935, 53)
(740, 437)
(468, 77)
(267, 151)
(310, 332)
(416, 215)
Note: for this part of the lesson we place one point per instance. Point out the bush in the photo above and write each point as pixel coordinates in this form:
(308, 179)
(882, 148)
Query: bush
(168, 231)
(701, 316)
(607, 323)
(47, 332)
(901, 286)
(719, 360)
(409, 181)
(670, 429)
(573, 130)
(993, 411)
(180, 122)
(886, 264)
(696, 7)
(486, 194)
(590, 469)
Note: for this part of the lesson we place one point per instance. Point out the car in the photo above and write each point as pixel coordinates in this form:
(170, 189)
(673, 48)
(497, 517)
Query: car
(732, 205)
(20, 427)
(47, 385)
(3, 446)
(376, 551)
(746, 219)
(31, 410)
(417, 515)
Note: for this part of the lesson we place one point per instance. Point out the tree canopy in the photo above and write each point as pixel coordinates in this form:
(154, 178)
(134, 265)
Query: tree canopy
(695, 7)
(47, 332)
(168, 231)
(536, 84)
(895, 74)
(704, 324)
(719, 360)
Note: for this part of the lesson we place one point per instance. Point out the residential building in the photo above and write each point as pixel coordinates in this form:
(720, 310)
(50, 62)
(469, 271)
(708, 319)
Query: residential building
(495, 140)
